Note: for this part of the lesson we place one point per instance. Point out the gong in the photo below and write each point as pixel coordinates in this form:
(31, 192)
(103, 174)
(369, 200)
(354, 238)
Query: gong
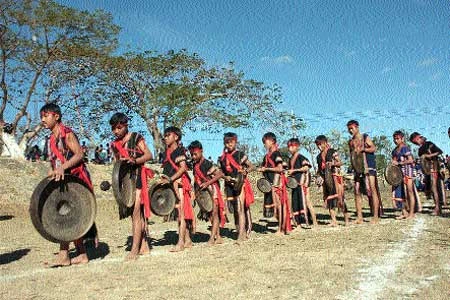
(124, 183)
(291, 182)
(238, 182)
(427, 165)
(162, 199)
(62, 211)
(264, 185)
(204, 200)
(357, 161)
(393, 175)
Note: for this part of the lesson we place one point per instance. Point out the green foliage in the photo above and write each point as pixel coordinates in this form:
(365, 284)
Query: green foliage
(180, 89)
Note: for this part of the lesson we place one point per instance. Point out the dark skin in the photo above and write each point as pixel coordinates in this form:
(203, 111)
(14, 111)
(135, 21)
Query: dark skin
(140, 245)
(270, 145)
(419, 141)
(293, 150)
(184, 239)
(215, 237)
(52, 122)
(336, 162)
(358, 145)
(242, 214)
(400, 142)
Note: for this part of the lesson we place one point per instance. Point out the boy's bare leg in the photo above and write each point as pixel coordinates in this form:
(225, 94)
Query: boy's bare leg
(63, 255)
(434, 190)
(279, 212)
(241, 213)
(248, 218)
(181, 224)
(311, 210)
(358, 204)
(411, 198)
(82, 257)
(333, 217)
(375, 199)
(136, 228)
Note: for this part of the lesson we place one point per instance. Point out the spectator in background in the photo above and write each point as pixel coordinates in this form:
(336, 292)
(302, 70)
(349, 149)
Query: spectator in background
(85, 150)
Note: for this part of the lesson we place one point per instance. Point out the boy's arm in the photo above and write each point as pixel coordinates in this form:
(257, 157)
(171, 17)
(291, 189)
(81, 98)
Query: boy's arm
(217, 175)
(183, 168)
(369, 146)
(74, 146)
(147, 154)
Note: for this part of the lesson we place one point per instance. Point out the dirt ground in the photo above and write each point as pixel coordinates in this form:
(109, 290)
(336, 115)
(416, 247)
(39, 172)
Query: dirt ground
(406, 259)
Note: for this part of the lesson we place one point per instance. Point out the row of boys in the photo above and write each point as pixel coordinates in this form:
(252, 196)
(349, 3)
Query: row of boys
(66, 157)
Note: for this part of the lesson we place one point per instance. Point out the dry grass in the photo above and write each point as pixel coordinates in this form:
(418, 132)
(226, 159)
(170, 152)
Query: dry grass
(321, 263)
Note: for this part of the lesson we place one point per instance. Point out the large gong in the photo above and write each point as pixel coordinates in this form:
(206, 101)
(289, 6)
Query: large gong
(62, 211)
(264, 185)
(124, 183)
(393, 175)
(162, 199)
(357, 161)
(204, 199)
(427, 165)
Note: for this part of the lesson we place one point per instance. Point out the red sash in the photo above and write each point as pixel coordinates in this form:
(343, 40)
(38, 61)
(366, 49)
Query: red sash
(145, 174)
(200, 178)
(186, 185)
(80, 171)
(282, 193)
(248, 191)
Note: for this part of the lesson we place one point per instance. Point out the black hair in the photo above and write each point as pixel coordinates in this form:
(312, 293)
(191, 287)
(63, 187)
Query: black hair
(352, 122)
(175, 130)
(398, 132)
(53, 108)
(321, 138)
(195, 144)
(413, 136)
(269, 135)
(294, 141)
(229, 135)
(118, 118)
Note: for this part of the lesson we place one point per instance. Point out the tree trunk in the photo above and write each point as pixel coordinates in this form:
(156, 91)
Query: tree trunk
(156, 135)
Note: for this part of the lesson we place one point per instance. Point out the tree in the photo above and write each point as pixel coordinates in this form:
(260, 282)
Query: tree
(39, 39)
(178, 88)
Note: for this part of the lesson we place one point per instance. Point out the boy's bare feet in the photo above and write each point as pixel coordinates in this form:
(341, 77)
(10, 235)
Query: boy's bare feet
(177, 248)
(219, 240)
(210, 242)
(374, 221)
(131, 256)
(358, 222)
(63, 260)
(80, 259)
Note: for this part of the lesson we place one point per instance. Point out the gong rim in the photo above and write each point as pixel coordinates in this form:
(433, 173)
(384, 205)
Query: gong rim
(393, 175)
(124, 183)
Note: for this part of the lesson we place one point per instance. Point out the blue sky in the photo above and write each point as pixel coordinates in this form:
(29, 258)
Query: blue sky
(384, 63)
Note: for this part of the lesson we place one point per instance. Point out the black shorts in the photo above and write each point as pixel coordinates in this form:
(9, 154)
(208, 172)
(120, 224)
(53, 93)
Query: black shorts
(297, 199)
(230, 192)
(139, 178)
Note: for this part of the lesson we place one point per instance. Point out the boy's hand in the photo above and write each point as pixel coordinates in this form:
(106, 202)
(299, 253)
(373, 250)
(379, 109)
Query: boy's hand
(204, 185)
(57, 174)
(395, 163)
(261, 169)
(130, 160)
